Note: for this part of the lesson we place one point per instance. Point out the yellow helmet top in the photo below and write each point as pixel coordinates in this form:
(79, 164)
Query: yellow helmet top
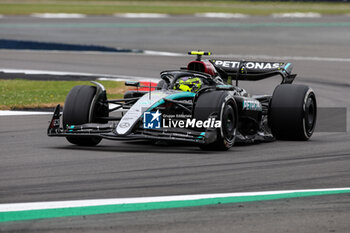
(189, 84)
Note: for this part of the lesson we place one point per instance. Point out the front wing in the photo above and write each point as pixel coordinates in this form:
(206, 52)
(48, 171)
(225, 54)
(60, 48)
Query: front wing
(107, 131)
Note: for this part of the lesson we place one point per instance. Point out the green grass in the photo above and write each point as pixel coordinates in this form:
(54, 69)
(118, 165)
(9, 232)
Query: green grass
(27, 94)
(94, 7)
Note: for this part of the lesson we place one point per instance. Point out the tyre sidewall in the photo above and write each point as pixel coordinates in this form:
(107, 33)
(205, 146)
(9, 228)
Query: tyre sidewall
(76, 111)
(287, 113)
(215, 104)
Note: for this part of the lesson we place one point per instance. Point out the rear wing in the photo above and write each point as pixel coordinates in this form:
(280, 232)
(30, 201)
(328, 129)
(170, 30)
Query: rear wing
(253, 70)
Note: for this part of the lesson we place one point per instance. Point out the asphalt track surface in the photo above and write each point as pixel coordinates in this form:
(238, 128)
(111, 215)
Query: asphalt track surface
(37, 168)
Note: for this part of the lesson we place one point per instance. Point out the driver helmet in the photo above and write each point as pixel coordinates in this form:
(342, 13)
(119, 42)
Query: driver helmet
(188, 84)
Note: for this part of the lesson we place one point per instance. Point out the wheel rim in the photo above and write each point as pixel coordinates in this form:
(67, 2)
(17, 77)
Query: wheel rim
(228, 124)
(310, 115)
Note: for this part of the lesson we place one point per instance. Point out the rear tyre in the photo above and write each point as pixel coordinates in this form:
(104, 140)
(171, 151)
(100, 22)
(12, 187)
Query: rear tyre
(293, 112)
(220, 105)
(76, 111)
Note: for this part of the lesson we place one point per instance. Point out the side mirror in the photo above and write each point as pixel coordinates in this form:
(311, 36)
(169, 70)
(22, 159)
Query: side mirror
(224, 87)
(132, 83)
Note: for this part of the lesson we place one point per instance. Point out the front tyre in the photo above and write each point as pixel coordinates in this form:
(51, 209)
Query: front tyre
(222, 106)
(293, 112)
(76, 111)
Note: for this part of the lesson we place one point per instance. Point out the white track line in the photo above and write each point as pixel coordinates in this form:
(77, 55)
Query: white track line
(48, 72)
(160, 53)
(128, 78)
(253, 56)
(172, 54)
(22, 113)
(142, 15)
(297, 58)
(1, 16)
(116, 201)
(297, 15)
(105, 77)
(222, 15)
(58, 15)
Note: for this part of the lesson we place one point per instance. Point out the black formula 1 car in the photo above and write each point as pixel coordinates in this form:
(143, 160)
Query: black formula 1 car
(201, 104)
